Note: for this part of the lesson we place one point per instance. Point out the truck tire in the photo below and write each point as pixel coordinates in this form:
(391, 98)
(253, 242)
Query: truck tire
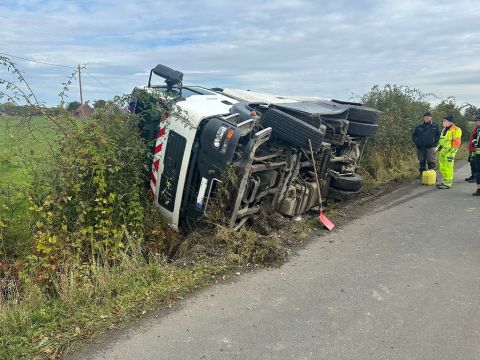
(361, 113)
(364, 114)
(342, 195)
(361, 129)
(292, 130)
(349, 183)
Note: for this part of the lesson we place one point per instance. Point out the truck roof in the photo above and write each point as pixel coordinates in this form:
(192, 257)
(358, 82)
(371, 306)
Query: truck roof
(253, 96)
(200, 107)
(199, 103)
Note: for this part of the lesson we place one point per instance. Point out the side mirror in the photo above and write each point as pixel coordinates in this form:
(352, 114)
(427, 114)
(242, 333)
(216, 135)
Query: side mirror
(172, 77)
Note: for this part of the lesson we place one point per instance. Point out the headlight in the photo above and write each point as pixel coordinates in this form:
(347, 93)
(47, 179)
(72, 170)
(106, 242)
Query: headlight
(218, 138)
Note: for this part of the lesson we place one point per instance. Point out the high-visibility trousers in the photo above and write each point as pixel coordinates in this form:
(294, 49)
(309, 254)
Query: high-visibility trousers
(446, 162)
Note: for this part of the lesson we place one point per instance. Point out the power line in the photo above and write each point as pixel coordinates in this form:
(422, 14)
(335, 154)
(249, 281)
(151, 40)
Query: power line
(63, 66)
(37, 61)
(99, 81)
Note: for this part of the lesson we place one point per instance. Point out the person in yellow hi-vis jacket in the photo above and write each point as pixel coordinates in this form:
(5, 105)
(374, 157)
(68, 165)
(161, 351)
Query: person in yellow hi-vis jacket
(450, 141)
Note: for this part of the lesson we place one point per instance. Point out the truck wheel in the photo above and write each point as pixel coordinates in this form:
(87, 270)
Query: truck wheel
(342, 195)
(364, 114)
(361, 113)
(349, 183)
(360, 129)
(292, 130)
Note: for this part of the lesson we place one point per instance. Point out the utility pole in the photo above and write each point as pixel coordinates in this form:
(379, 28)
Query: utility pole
(81, 95)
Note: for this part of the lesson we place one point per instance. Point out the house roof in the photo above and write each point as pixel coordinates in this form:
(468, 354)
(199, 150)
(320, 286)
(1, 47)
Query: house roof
(85, 110)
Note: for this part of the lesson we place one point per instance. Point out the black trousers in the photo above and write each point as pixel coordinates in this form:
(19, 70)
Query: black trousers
(476, 168)
(471, 161)
(426, 159)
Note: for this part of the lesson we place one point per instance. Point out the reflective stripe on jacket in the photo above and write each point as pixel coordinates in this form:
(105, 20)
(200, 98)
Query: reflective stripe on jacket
(451, 139)
(473, 135)
(477, 145)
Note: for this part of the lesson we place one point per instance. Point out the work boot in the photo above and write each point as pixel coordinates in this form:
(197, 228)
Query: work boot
(477, 193)
(443, 187)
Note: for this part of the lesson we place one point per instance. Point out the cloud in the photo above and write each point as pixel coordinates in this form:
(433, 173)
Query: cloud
(323, 48)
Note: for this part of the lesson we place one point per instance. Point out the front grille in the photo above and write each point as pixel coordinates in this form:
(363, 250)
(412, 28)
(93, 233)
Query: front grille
(172, 165)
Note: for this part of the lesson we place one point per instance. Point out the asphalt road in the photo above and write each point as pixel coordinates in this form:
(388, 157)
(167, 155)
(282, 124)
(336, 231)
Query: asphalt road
(400, 282)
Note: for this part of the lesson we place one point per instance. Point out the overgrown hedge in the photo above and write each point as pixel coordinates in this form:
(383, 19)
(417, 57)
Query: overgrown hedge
(91, 206)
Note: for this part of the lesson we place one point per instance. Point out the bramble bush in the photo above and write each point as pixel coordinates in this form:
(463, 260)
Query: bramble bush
(90, 207)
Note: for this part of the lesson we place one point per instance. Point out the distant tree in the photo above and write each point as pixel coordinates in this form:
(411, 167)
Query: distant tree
(55, 110)
(99, 104)
(73, 105)
(8, 107)
(471, 111)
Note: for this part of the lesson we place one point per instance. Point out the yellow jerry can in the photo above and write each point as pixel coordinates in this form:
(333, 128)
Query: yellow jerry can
(429, 177)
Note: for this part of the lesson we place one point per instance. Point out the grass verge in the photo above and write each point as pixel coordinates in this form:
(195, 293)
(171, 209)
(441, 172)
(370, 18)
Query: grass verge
(42, 328)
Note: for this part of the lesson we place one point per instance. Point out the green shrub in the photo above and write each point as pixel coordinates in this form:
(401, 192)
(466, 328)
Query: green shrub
(90, 207)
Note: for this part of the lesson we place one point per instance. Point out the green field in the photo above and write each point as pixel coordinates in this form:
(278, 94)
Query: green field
(25, 145)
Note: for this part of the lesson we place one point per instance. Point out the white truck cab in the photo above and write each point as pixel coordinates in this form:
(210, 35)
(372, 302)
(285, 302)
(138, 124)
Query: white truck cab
(173, 150)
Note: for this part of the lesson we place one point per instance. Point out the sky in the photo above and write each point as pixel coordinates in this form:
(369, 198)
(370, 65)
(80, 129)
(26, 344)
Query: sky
(333, 49)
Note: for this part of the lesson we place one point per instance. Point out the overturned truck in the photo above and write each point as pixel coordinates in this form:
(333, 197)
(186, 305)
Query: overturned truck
(200, 134)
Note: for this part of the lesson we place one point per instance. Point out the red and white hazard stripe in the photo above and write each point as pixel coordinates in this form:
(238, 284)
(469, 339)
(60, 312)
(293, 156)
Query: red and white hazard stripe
(156, 162)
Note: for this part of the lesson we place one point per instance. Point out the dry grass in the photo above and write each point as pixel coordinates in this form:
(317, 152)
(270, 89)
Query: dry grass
(41, 327)
(379, 169)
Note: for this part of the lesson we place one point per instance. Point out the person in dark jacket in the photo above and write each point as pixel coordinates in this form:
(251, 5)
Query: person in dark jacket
(476, 162)
(472, 148)
(426, 136)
